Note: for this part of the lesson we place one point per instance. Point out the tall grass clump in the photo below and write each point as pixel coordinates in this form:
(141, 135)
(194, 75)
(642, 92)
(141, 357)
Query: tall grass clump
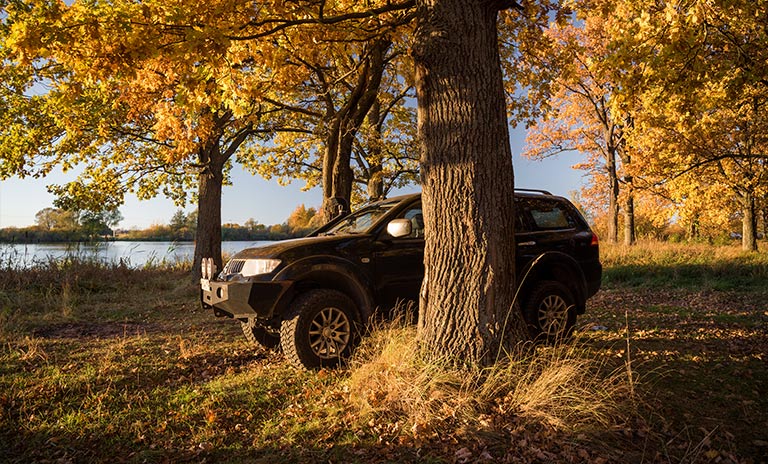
(561, 387)
(390, 378)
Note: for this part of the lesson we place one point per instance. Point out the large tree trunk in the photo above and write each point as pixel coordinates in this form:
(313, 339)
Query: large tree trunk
(208, 236)
(749, 223)
(466, 307)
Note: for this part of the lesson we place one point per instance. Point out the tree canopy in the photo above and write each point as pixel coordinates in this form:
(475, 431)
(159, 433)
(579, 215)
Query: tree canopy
(665, 99)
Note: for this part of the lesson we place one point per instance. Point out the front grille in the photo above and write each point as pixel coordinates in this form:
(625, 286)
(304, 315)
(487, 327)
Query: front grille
(234, 266)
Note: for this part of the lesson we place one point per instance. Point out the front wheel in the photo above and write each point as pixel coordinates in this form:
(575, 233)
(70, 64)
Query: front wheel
(319, 331)
(550, 311)
(259, 335)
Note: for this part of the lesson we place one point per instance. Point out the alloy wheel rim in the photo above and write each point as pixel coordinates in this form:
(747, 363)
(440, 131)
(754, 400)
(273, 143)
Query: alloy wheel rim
(329, 333)
(553, 314)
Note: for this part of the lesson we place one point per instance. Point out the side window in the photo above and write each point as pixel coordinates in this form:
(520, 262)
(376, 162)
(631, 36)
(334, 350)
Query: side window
(417, 221)
(550, 215)
(520, 222)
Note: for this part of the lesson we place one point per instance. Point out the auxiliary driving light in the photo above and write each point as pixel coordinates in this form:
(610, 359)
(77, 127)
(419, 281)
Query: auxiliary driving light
(208, 268)
(211, 268)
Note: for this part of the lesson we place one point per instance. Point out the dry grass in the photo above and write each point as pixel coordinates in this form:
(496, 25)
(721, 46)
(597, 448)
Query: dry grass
(668, 265)
(649, 252)
(561, 387)
(389, 377)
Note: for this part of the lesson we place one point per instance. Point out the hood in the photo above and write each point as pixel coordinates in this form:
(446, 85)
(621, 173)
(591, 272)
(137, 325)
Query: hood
(299, 246)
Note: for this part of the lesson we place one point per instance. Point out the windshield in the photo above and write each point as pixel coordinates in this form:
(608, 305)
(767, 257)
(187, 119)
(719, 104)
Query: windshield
(361, 221)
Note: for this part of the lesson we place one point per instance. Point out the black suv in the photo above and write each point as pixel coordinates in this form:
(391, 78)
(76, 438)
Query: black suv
(310, 295)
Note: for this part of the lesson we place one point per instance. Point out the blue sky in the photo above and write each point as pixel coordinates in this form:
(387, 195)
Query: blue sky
(265, 201)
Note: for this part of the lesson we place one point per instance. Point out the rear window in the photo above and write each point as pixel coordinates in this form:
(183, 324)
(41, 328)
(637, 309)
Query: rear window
(550, 215)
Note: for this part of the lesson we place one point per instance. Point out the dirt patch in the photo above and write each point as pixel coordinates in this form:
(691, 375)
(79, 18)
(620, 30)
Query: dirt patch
(95, 330)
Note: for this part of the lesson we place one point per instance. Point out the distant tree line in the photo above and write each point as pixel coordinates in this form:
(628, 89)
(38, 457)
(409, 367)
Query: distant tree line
(59, 225)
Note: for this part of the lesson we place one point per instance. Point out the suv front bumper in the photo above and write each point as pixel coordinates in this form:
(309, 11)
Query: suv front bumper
(243, 299)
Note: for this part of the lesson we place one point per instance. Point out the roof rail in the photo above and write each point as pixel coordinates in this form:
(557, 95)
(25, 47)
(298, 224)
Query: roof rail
(543, 192)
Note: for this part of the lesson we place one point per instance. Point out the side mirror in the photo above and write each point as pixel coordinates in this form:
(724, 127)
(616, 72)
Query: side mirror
(399, 228)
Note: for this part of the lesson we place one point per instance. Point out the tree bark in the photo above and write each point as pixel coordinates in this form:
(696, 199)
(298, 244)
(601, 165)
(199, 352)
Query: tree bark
(629, 204)
(693, 228)
(466, 305)
(375, 186)
(613, 196)
(208, 236)
(328, 208)
(375, 183)
(629, 214)
(337, 172)
(749, 223)
(212, 157)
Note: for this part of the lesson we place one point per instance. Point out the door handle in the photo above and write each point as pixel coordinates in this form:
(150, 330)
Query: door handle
(531, 243)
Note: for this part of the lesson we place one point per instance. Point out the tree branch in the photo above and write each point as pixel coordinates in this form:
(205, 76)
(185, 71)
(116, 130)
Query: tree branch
(277, 25)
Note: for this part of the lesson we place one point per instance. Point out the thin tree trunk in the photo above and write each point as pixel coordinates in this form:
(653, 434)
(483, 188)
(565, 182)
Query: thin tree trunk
(629, 204)
(613, 197)
(328, 208)
(629, 214)
(342, 175)
(749, 223)
(693, 228)
(375, 184)
(466, 306)
(337, 172)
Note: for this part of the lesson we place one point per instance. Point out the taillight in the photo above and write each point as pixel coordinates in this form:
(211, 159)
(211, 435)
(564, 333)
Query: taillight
(595, 241)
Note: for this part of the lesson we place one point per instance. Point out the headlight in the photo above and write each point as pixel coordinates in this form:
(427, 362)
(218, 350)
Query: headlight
(253, 267)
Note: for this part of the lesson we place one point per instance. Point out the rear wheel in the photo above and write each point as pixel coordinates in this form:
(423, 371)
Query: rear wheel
(320, 329)
(550, 311)
(259, 335)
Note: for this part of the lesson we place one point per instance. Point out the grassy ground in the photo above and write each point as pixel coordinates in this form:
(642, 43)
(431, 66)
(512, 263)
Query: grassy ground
(113, 364)
(698, 339)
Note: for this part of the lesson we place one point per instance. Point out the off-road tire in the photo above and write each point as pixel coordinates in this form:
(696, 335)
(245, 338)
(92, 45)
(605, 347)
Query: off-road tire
(550, 312)
(260, 336)
(320, 329)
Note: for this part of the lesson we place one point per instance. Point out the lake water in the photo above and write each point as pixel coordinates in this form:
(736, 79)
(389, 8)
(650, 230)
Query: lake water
(134, 254)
